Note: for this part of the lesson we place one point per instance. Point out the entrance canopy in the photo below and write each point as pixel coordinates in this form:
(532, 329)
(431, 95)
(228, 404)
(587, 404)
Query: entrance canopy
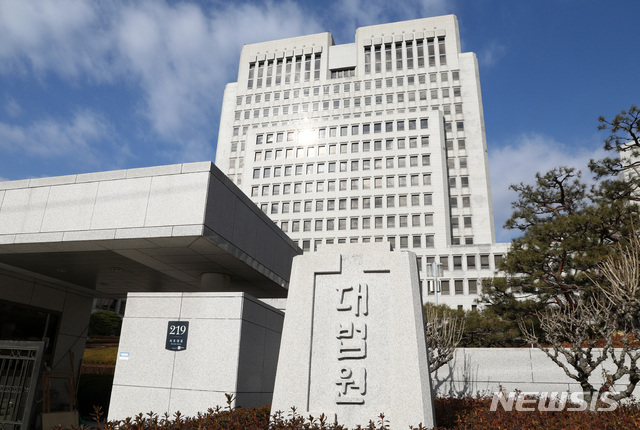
(149, 229)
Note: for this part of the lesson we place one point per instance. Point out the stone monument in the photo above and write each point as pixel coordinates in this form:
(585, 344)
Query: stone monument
(353, 342)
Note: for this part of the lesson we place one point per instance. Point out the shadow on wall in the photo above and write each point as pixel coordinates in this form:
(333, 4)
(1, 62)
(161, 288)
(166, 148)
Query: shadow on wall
(484, 371)
(458, 378)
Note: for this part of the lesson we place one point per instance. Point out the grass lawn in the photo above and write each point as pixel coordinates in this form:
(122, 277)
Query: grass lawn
(101, 355)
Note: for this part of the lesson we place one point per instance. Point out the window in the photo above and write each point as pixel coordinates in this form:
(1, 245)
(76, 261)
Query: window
(473, 286)
(457, 262)
(484, 261)
(444, 287)
(428, 219)
(471, 261)
(459, 289)
(467, 222)
(404, 242)
(415, 220)
(424, 123)
(391, 221)
(428, 199)
(429, 241)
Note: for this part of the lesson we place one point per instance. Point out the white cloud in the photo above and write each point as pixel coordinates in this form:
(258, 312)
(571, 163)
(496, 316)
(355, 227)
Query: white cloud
(179, 54)
(350, 14)
(491, 54)
(82, 137)
(12, 107)
(521, 160)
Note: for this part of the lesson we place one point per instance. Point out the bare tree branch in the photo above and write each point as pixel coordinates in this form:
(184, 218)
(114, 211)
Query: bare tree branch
(444, 331)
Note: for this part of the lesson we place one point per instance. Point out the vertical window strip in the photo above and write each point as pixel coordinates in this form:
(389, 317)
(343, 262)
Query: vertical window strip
(399, 56)
(409, 55)
(367, 59)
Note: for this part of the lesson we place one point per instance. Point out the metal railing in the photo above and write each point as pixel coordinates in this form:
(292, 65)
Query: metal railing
(19, 371)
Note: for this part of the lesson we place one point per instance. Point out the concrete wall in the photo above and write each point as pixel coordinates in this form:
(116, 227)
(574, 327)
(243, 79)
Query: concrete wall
(232, 348)
(479, 371)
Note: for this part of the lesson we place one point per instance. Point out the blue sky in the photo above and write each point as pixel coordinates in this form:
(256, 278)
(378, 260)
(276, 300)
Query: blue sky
(88, 86)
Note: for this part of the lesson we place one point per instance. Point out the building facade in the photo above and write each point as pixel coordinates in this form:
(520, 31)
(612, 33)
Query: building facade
(378, 140)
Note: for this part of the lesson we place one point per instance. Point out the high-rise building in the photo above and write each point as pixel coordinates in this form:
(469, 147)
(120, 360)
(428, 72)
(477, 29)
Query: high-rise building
(378, 140)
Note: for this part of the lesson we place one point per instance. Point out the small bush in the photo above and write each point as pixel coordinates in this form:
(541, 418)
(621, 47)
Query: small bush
(105, 323)
(451, 414)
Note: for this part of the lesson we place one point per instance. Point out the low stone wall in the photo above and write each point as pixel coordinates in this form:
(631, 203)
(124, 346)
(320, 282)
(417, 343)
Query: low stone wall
(478, 371)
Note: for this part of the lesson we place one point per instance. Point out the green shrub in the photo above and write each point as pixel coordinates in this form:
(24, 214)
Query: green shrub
(105, 323)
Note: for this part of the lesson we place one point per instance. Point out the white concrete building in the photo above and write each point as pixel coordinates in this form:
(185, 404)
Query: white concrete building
(378, 140)
(162, 231)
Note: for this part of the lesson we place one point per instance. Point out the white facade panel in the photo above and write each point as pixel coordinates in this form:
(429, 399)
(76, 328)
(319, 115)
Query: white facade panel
(378, 140)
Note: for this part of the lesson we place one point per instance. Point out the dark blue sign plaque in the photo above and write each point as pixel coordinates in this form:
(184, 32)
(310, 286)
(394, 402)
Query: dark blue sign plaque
(177, 333)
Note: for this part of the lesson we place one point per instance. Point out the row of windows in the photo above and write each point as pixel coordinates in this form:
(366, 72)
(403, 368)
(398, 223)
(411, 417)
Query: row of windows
(404, 55)
(348, 87)
(307, 152)
(346, 166)
(353, 148)
(344, 130)
(403, 200)
(402, 241)
(376, 202)
(447, 287)
(358, 223)
(353, 184)
(348, 103)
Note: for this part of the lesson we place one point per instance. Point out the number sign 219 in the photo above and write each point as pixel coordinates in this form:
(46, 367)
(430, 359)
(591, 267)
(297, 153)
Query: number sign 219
(177, 333)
